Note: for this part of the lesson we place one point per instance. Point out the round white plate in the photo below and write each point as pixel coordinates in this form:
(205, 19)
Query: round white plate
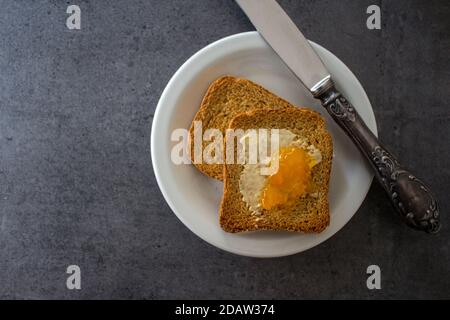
(195, 198)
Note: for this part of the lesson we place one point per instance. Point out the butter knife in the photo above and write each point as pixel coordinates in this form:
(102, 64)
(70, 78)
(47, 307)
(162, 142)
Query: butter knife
(409, 195)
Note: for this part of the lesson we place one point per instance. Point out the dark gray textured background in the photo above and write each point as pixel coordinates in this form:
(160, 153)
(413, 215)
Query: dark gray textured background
(76, 180)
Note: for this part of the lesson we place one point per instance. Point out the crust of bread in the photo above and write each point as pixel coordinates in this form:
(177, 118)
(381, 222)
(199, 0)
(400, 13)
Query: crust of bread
(307, 214)
(225, 98)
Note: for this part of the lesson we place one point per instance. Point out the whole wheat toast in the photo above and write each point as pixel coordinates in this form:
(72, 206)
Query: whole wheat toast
(307, 214)
(225, 98)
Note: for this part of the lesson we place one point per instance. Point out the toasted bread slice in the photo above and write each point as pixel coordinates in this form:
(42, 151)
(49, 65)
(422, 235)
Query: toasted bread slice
(226, 98)
(307, 214)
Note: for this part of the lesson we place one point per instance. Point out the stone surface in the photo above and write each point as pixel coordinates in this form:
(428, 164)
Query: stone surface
(76, 180)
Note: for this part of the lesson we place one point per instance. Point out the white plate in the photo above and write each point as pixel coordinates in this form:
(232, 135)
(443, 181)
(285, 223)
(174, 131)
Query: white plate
(195, 198)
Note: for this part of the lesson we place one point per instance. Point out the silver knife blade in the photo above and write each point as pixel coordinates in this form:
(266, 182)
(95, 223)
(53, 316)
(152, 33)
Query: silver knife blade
(285, 38)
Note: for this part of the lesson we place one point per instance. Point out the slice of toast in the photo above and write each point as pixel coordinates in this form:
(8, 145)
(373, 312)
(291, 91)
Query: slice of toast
(225, 98)
(307, 214)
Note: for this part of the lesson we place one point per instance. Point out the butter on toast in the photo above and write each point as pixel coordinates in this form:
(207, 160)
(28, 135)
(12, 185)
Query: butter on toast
(307, 214)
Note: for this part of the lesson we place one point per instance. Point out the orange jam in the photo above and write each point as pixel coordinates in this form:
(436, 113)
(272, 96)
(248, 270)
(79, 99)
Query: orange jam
(290, 181)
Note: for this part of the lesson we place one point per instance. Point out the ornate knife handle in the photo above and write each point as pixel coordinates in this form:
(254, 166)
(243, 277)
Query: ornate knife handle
(412, 199)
